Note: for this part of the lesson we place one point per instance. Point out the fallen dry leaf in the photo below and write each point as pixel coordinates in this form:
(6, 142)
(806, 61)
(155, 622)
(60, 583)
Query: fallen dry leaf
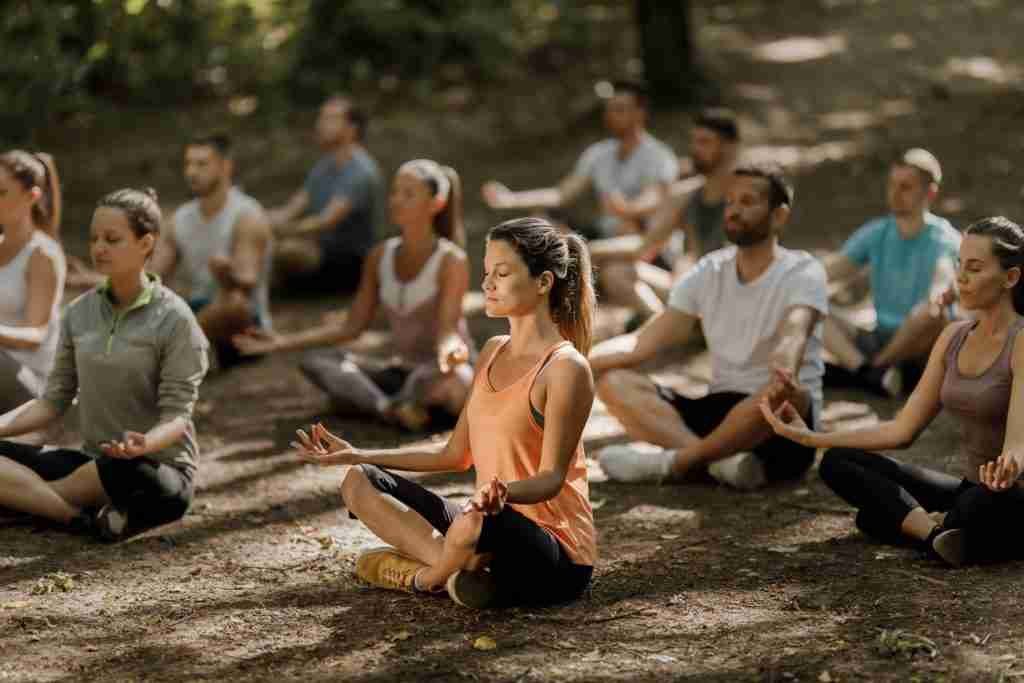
(485, 643)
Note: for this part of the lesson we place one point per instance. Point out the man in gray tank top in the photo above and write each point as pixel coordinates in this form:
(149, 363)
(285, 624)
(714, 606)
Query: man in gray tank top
(218, 247)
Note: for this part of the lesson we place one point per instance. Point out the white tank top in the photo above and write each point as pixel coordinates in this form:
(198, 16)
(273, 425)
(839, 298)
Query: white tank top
(198, 239)
(14, 285)
(413, 307)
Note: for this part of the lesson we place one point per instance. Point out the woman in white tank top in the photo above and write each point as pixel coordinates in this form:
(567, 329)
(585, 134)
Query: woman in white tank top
(418, 280)
(32, 271)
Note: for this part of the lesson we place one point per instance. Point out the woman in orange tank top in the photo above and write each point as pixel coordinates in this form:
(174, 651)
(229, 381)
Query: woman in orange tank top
(527, 536)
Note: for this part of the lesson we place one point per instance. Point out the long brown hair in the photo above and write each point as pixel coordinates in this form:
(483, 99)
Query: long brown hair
(37, 170)
(543, 248)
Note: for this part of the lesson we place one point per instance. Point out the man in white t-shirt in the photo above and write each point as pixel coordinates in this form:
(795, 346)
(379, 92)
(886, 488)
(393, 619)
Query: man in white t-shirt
(760, 307)
(630, 172)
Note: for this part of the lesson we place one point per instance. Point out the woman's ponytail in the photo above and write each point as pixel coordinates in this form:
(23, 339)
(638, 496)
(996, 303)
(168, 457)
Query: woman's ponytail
(574, 307)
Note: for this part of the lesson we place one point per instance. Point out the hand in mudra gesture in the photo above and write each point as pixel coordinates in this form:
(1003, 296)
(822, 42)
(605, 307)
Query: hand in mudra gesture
(321, 447)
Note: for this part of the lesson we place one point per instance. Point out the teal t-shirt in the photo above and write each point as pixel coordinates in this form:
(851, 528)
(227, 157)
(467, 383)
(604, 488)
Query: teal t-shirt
(901, 269)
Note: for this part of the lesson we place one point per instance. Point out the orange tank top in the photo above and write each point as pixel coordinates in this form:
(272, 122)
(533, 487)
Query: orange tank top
(505, 441)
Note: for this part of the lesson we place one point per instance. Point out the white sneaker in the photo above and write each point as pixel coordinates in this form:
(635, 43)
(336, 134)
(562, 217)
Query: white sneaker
(111, 523)
(636, 463)
(743, 471)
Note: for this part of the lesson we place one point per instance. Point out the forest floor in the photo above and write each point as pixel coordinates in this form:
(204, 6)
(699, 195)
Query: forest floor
(694, 582)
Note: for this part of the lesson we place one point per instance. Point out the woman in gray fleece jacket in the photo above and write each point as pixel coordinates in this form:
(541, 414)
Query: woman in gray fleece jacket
(134, 356)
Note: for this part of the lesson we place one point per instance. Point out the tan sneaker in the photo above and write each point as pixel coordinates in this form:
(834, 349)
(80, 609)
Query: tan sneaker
(388, 568)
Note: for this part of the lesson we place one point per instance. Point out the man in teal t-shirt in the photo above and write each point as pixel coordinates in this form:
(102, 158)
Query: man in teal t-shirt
(911, 254)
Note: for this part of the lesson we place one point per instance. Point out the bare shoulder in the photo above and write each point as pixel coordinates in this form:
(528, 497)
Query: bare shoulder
(254, 224)
(1017, 361)
(490, 346)
(570, 367)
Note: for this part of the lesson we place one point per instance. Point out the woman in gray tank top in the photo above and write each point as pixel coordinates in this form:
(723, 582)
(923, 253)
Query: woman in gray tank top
(418, 280)
(971, 373)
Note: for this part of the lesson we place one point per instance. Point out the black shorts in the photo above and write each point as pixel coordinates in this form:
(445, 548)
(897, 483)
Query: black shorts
(782, 459)
(149, 492)
(529, 565)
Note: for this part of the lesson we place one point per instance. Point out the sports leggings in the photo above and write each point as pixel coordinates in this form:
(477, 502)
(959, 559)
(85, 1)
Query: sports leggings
(884, 490)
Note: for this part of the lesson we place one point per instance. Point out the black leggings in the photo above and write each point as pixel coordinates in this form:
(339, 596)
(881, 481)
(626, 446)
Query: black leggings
(529, 566)
(150, 493)
(884, 490)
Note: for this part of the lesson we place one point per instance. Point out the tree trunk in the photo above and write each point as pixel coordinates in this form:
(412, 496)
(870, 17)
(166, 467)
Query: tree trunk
(667, 50)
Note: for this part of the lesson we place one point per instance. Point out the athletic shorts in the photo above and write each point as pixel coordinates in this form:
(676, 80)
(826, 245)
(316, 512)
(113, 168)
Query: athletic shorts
(782, 459)
(529, 565)
(149, 492)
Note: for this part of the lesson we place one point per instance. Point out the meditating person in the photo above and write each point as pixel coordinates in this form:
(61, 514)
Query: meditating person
(760, 307)
(910, 253)
(527, 536)
(419, 279)
(133, 356)
(972, 372)
(32, 271)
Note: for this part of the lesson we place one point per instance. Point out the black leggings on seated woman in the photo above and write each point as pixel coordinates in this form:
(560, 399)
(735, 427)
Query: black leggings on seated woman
(884, 490)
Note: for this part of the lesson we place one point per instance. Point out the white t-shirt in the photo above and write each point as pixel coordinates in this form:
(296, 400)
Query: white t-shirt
(741, 320)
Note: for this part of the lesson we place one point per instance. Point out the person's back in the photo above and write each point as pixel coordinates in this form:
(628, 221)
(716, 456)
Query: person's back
(198, 239)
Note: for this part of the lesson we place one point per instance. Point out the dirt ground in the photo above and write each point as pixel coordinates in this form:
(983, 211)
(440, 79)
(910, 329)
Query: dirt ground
(694, 582)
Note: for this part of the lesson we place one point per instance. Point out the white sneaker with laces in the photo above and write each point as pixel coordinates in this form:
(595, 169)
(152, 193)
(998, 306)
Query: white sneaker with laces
(636, 462)
(743, 471)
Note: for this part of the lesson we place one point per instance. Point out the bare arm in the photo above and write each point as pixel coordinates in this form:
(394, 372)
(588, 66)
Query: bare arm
(570, 396)
(332, 214)
(454, 283)
(666, 329)
(249, 252)
(290, 210)
(839, 267)
(1013, 442)
(41, 277)
(359, 317)
(28, 417)
(899, 432)
(568, 190)
(451, 456)
(744, 426)
(165, 256)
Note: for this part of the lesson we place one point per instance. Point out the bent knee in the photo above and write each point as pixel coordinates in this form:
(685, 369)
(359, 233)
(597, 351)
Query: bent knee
(614, 386)
(355, 486)
(465, 530)
(833, 463)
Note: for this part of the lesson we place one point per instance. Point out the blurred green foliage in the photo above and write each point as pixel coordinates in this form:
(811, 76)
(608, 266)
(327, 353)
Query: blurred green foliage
(64, 57)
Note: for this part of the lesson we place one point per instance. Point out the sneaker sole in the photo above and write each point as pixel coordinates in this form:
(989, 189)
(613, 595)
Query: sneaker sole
(359, 572)
(950, 546)
(470, 589)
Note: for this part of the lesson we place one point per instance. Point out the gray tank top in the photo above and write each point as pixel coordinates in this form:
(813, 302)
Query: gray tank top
(37, 362)
(198, 239)
(980, 403)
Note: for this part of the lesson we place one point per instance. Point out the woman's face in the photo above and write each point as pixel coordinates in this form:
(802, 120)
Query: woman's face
(114, 248)
(15, 201)
(981, 279)
(509, 289)
(410, 201)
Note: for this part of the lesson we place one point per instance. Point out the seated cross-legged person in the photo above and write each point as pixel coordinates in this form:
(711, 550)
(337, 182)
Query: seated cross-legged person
(759, 306)
(911, 254)
(973, 373)
(133, 356)
(418, 280)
